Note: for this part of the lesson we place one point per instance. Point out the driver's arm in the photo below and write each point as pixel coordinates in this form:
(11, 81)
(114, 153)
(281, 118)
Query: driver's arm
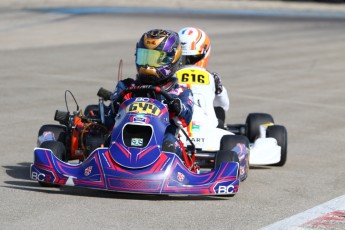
(186, 113)
(121, 85)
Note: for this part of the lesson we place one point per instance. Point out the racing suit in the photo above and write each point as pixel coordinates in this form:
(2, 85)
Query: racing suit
(208, 92)
(175, 90)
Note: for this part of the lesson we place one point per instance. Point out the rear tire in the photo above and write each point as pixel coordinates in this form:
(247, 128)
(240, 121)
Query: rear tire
(58, 130)
(95, 114)
(56, 147)
(94, 109)
(279, 133)
(253, 122)
(59, 151)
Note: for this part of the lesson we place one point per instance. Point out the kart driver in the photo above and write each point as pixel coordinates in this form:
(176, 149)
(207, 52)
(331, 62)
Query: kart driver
(196, 50)
(158, 57)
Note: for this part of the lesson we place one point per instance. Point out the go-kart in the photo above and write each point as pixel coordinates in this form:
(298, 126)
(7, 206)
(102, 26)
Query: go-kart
(267, 141)
(134, 161)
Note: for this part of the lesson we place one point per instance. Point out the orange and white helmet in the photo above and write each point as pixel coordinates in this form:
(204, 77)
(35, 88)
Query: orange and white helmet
(196, 46)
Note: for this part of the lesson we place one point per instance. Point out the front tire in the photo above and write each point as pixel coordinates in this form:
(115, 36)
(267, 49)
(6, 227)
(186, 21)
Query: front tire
(225, 156)
(228, 143)
(59, 151)
(279, 133)
(253, 122)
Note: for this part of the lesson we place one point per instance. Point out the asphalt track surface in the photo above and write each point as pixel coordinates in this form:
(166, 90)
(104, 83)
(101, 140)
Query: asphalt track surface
(292, 68)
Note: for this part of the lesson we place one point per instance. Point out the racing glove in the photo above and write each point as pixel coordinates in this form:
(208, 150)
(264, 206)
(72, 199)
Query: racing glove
(175, 106)
(128, 82)
(218, 83)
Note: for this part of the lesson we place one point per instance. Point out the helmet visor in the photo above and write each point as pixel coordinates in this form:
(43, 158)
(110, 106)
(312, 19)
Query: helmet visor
(192, 59)
(153, 58)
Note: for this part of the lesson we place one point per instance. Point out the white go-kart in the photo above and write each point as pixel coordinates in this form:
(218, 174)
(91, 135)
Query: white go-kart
(266, 141)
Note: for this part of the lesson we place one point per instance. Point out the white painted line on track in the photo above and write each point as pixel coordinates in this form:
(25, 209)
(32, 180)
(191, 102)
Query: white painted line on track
(315, 218)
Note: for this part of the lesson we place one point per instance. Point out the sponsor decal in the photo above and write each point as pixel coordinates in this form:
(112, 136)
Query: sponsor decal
(37, 176)
(137, 142)
(225, 188)
(88, 171)
(139, 119)
(180, 176)
(167, 71)
(198, 140)
(142, 99)
(151, 42)
(195, 126)
(242, 170)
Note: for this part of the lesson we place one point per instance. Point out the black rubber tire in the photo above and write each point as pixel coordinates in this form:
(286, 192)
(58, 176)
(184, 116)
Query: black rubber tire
(95, 109)
(59, 151)
(90, 108)
(228, 142)
(58, 130)
(225, 156)
(279, 132)
(56, 147)
(253, 122)
(226, 153)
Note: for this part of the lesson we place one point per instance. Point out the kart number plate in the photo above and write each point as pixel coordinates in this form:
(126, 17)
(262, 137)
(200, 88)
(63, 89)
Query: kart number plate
(193, 76)
(144, 107)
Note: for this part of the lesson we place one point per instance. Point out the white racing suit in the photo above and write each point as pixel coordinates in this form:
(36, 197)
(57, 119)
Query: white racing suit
(207, 95)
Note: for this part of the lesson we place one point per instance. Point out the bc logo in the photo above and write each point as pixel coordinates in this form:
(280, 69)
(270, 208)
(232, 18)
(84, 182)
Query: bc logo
(225, 188)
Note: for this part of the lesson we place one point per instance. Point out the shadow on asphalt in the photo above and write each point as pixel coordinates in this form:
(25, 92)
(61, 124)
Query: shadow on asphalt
(21, 172)
(260, 167)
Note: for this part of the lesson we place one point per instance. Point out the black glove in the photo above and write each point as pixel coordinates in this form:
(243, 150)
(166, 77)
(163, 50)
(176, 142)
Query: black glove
(175, 106)
(218, 83)
(128, 82)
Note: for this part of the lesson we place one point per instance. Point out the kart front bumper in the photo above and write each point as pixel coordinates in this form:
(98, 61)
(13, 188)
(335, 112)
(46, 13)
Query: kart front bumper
(168, 175)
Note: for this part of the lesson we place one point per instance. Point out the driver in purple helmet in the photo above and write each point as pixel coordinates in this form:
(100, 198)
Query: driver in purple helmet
(158, 57)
